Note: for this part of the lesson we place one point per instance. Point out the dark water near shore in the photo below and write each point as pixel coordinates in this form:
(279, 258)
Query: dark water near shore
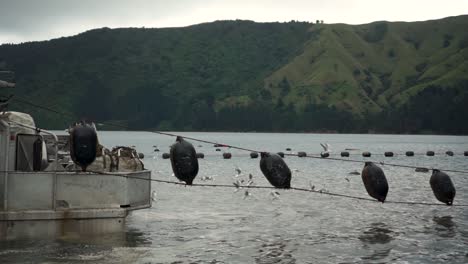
(217, 225)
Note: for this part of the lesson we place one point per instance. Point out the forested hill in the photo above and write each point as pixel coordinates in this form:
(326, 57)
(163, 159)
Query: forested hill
(245, 76)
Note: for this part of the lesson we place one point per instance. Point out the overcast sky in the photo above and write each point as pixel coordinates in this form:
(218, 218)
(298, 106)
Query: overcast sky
(29, 20)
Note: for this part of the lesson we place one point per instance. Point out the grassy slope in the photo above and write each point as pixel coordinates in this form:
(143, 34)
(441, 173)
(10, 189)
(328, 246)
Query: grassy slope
(157, 75)
(369, 67)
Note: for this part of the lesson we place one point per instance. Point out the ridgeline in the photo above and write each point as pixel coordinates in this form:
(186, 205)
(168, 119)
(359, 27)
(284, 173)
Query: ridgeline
(382, 77)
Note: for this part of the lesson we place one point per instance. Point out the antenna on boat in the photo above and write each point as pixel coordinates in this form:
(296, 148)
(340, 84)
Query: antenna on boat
(7, 82)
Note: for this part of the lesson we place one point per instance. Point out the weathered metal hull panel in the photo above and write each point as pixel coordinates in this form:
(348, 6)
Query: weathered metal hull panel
(70, 228)
(30, 191)
(67, 190)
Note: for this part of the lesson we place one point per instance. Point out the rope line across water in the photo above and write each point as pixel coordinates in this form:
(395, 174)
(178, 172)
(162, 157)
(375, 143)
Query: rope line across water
(25, 101)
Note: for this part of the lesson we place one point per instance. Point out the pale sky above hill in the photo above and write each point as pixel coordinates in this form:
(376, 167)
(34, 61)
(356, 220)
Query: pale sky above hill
(30, 20)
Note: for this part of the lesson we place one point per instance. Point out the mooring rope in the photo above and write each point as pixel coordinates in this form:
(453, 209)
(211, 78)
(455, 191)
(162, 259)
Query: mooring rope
(324, 192)
(25, 101)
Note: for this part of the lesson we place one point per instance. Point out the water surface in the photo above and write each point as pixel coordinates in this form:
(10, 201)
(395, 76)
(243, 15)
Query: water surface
(217, 225)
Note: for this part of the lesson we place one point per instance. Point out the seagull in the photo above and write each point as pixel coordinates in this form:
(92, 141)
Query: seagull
(206, 178)
(238, 171)
(247, 194)
(275, 195)
(250, 181)
(312, 187)
(237, 184)
(326, 148)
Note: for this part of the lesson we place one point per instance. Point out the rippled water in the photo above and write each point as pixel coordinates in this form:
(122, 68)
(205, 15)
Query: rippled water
(217, 225)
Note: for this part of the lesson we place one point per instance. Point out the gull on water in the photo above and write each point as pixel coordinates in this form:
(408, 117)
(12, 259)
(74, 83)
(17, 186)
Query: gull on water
(326, 148)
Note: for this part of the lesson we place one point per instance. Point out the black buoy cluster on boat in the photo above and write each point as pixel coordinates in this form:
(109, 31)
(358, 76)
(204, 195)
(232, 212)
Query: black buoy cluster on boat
(275, 170)
(344, 154)
(442, 186)
(83, 144)
(281, 154)
(166, 155)
(301, 154)
(388, 154)
(375, 181)
(253, 155)
(409, 153)
(184, 160)
(227, 155)
(366, 154)
(430, 153)
(200, 155)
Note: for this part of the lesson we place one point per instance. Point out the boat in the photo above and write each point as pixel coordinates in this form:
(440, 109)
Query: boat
(44, 193)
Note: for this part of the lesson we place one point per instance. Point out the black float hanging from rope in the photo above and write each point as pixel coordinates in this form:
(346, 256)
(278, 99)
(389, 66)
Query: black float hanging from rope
(375, 181)
(253, 155)
(184, 160)
(83, 144)
(442, 187)
(275, 170)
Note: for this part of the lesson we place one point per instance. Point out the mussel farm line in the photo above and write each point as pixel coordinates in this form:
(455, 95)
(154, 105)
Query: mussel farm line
(298, 189)
(185, 165)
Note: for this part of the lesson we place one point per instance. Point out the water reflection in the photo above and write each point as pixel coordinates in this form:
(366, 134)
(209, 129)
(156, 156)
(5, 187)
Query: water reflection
(376, 238)
(275, 251)
(377, 233)
(445, 227)
(70, 248)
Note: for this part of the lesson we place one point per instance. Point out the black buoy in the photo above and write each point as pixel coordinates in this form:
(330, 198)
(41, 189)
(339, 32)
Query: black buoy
(465, 153)
(227, 155)
(388, 154)
(375, 181)
(83, 144)
(442, 187)
(430, 153)
(301, 154)
(253, 155)
(344, 154)
(200, 155)
(366, 154)
(156, 150)
(275, 170)
(141, 155)
(288, 149)
(421, 169)
(409, 153)
(184, 160)
(166, 155)
(449, 153)
(325, 155)
(281, 154)
(218, 149)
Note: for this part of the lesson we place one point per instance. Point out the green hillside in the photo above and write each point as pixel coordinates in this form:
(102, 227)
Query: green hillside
(245, 76)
